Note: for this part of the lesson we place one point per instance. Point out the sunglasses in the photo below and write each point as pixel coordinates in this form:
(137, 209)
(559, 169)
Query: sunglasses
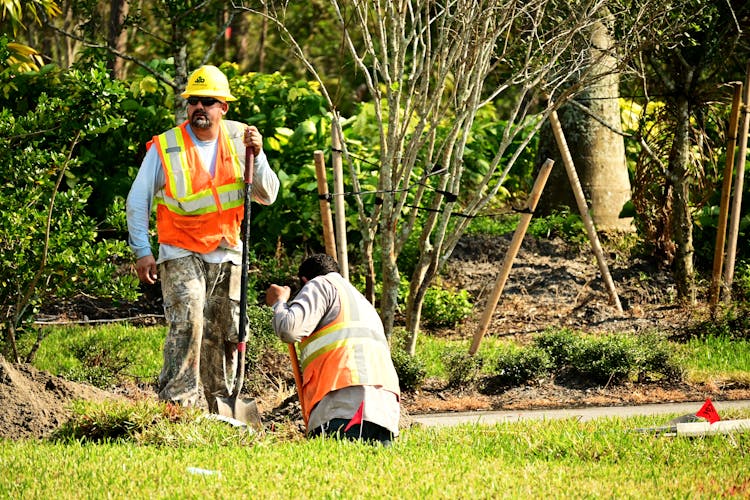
(206, 101)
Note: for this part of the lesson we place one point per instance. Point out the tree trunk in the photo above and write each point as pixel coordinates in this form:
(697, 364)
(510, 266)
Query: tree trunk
(596, 144)
(682, 221)
(117, 36)
(391, 279)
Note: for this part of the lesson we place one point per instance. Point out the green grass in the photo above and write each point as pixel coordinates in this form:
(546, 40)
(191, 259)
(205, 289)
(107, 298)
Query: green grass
(531, 459)
(534, 459)
(135, 351)
(717, 358)
(432, 350)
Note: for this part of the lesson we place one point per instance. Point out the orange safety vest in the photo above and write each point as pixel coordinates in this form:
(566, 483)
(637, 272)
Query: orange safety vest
(193, 210)
(346, 352)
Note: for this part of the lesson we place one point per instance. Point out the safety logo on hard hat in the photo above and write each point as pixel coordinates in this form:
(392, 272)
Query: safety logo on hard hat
(200, 79)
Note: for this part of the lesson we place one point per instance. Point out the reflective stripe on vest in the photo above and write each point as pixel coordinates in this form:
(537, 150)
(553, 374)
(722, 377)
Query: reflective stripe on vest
(178, 195)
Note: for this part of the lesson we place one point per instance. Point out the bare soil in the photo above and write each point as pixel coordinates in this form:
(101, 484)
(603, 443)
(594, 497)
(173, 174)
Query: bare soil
(551, 284)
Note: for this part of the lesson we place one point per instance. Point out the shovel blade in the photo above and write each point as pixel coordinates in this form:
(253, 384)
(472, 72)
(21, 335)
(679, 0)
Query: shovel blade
(244, 410)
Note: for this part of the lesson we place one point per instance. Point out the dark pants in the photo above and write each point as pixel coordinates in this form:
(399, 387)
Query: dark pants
(366, 431)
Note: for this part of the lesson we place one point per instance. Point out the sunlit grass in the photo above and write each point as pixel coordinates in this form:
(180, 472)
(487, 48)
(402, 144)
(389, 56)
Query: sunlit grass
(528, 459)
(137, 350)
(717, 359)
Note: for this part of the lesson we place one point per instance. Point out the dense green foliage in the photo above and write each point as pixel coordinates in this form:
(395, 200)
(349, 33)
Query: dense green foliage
(49, 244)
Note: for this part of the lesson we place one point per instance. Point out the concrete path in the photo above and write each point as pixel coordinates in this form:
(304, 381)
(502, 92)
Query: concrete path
(493, 417)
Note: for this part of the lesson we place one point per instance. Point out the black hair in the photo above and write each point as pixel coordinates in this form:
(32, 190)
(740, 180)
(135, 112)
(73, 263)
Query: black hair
(317, 265)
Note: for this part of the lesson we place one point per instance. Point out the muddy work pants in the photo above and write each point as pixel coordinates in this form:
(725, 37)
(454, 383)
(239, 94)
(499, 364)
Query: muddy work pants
(201, 306)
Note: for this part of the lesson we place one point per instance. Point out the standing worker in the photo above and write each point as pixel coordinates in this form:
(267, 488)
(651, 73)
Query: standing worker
(349, 384)
(195, 174)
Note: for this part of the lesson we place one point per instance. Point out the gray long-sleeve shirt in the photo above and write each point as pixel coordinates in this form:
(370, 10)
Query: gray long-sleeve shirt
(151, 179)
(317, 303)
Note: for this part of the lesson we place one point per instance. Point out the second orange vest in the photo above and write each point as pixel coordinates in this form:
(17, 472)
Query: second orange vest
(346, 352)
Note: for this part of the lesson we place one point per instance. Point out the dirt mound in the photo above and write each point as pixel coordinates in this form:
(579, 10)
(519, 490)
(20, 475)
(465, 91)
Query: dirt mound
(35, 403)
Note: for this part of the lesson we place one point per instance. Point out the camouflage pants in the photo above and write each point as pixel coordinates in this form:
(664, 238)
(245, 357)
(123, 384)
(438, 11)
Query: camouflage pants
(201, 306)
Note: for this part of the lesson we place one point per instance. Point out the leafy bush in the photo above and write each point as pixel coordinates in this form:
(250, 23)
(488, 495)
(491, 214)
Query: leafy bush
(607, 359)
(446, 307)
(741, 283)
(463, 369)
(611, 358)
(292, 117)
(410, 369)
(49, 244)
(654, 357)
(521, 365)
(560, 345)
(563, 223)
(261, 336)
(731, 321)
(497, 225)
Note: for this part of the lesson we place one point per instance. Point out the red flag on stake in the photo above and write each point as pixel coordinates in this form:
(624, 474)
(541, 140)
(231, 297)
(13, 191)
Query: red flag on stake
(357, 418)
(708, 412)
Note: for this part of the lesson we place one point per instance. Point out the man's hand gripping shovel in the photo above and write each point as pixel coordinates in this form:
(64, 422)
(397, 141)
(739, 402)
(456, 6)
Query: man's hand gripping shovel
(243, 410)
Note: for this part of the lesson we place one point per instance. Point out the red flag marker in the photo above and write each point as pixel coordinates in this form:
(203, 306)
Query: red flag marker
(357, 418)
(708, 412)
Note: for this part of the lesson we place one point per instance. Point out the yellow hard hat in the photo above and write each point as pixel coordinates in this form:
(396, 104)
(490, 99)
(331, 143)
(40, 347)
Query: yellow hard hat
(208, 81)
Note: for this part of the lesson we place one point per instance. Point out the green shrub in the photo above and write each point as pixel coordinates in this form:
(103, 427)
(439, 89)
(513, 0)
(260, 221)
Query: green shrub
(49, 243)
(563, 223)
(260, 336)
(463, 369)
(521, 365)
(730, 321)
(654, 357)
(446, 307)
(410, 369)
(560, 345)
(741, 282)
(496, 225)
(614, 358)
(611, 358)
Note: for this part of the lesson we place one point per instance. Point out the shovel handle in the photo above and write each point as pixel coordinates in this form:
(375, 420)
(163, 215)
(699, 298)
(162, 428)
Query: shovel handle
(240, 378)
(297, 377)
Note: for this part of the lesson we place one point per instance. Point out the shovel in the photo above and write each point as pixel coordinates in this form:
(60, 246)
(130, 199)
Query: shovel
(243, 410)
(297, 378)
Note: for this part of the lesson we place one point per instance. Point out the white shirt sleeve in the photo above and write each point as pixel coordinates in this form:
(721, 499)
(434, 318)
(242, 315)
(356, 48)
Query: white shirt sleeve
(316, 302)
(140, 200)
(265, 181)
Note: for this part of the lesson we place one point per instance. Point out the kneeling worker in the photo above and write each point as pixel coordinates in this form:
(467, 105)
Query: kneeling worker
(349, 384)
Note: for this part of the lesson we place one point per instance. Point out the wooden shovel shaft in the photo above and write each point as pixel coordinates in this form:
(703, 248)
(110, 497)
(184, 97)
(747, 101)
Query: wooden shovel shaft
(240, 379)
(297, 377)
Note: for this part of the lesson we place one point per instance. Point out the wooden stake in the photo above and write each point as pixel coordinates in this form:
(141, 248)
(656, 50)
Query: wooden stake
(583, 208)
(338, 193)
(325, 206)
(515, 245)
(721, 230)
(734, 222)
